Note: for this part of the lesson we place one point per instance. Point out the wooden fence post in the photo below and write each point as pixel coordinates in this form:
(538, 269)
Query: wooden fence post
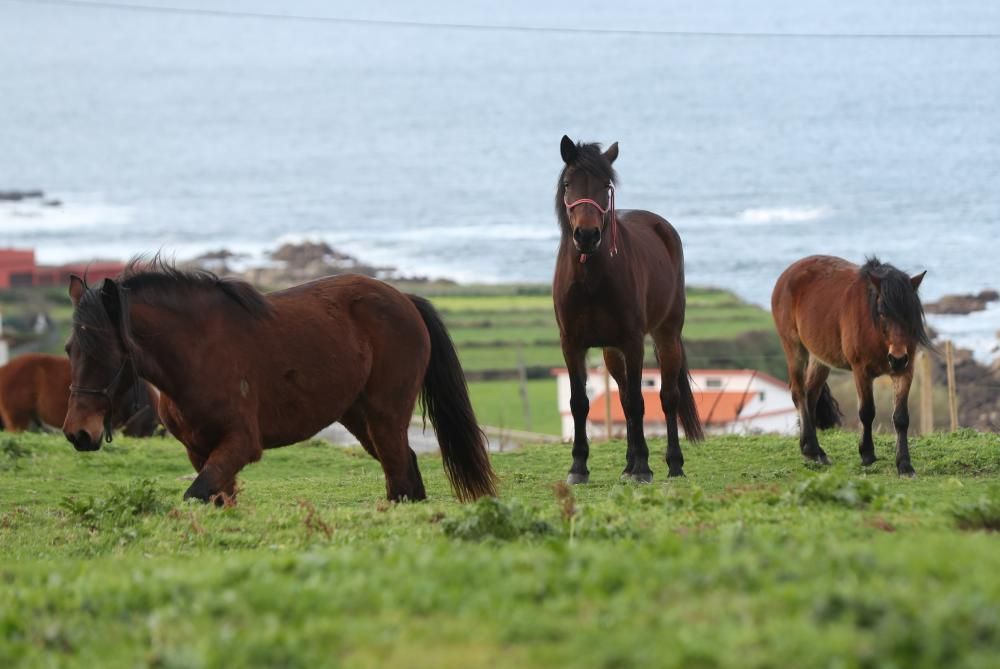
(949, 355)
(522, 377)
(607, 403)
(926, 394)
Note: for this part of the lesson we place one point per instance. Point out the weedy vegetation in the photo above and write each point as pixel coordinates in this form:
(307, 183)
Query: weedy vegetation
(754, 560)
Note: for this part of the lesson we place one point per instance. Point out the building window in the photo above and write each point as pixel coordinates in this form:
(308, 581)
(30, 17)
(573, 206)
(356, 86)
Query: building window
(648, 382)
(713, 383)
(761, 396)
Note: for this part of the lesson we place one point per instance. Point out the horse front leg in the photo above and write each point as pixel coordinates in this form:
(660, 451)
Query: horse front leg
(218, 473)
(866, 414)
(576, 363)
(635, 410)
(901, 421)
(615, 362)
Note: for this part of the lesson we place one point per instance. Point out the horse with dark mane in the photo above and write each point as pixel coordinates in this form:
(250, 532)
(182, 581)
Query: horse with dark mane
(831, 313)
(34, 391)
(619, 276)
(240, 372)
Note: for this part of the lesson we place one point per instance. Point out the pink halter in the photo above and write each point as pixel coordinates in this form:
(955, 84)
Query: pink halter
(604, 212)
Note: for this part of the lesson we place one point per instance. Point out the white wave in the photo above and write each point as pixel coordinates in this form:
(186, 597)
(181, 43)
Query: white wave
(783, 214)
(33, 216)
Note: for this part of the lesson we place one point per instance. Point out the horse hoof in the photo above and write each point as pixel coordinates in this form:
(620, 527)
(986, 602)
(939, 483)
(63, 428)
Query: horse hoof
(906, 470)
(577, 479)
(820, 459)
(868, 460)
(676, 473)
(642, 477)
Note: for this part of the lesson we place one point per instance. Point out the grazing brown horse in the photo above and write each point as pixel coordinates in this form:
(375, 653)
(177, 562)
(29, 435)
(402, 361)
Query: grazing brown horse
(619, 276)
(831, 313)
(34, 390)
(239, 372)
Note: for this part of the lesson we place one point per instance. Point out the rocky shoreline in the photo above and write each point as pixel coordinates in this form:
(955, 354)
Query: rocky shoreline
(962, 304)
(291, 264)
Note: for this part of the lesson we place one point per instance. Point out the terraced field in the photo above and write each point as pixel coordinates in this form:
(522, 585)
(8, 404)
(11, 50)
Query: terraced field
(503, 328)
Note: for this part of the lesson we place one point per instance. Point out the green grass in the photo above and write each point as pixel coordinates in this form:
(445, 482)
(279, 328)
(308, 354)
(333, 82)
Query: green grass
(754, 560)
(498, 403)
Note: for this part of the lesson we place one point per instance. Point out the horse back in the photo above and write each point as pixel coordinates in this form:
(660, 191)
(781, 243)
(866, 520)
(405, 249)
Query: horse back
(821, 302)
(36, 385)
(328, 342)
(658, 259)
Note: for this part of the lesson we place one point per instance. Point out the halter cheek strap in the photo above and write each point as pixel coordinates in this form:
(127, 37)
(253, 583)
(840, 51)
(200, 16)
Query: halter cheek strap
(107, 392)
(604, 212)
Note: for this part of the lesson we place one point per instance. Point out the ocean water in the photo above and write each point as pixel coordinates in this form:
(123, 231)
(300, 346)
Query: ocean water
(436, 150)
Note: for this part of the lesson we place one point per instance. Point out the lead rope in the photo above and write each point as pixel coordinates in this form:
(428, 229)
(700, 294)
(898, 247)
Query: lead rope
(604, 212)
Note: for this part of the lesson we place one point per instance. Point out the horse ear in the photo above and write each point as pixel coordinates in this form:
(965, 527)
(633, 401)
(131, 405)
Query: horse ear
(110, 298)
(877, 282)
(612, 153)
(567, 149)
(917, 279)
(76, 288)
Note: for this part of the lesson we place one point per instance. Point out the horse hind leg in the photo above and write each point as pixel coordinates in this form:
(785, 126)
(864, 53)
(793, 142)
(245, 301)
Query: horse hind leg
(797, 358)
(356, 422)
(388, 435)
(670, 354)
(816, 375)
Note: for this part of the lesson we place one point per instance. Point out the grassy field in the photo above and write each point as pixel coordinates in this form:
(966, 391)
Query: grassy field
(754, 560)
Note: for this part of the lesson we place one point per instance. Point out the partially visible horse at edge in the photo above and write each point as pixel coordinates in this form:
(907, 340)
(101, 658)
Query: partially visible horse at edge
(869, 319)
(619, 276)
(34, 390)
(240, 372)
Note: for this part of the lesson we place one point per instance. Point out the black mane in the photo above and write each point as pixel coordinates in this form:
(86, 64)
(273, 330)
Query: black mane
(900, 302)
(152, 281)
(158, 281)
(591, 160)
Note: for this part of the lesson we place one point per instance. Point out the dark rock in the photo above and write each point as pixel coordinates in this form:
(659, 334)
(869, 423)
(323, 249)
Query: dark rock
(962, 304)
(18, 195)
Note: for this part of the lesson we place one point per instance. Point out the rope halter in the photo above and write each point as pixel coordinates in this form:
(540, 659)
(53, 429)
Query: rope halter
(604, 212)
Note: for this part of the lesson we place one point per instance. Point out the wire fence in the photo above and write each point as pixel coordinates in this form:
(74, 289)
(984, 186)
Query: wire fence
(507, 28)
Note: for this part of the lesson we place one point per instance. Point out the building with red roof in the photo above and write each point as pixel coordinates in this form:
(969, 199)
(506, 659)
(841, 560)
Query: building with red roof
(743, 401)
(18, 269)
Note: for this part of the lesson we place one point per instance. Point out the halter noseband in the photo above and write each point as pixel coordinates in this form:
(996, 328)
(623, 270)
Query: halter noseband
(604, 212)
(107, 392)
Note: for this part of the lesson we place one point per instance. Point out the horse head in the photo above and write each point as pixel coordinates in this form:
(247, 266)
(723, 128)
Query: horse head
(898, 313)
(585, 197)
(101, 369)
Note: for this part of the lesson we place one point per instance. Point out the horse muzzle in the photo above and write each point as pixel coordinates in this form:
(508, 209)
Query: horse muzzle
(587, 240)
(83, 442)
(897, 365)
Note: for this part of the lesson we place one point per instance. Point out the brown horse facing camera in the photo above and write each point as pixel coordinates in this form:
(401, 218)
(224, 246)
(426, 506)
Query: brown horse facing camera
(831, 313)
(34, 390)
(619, 276)
(239, 371)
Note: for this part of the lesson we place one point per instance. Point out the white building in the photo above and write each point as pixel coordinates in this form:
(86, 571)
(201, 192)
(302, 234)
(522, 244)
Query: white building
(729, 401)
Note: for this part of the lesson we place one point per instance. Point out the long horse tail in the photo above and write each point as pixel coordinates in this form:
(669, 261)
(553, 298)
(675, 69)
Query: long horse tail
(687, 410)
(828, 412)
(445, 400)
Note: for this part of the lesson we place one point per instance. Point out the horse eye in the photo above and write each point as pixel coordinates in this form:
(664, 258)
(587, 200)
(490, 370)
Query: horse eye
(565, 184)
